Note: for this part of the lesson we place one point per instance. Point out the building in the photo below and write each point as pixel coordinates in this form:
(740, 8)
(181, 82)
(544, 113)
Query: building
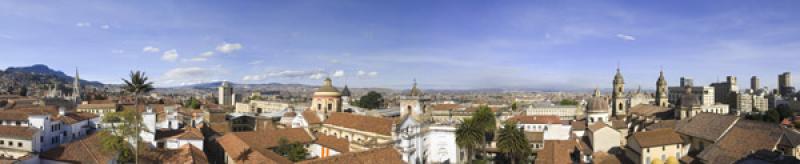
(751, 101)
(381, 156)
(327, 98)
(785, 87)
(86, 150)
(363, 132)
(597, 109)
(619, 109)
(660, 144)
(18, 141)
(260, 106)
(743, 139)
(703, 130)
(704, 93)
(645, 115)
(256, 146)
(662, 98)
(725, 92)
(534, 123)
(755, 84)
(328, 146)
(564, 112)
(40, 128)
(418, 138)
(225, 94)
(602, 137)
(98, 109)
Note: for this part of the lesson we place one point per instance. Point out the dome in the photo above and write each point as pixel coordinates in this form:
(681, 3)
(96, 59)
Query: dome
(327, 89)
(618, 78)
(597, 105)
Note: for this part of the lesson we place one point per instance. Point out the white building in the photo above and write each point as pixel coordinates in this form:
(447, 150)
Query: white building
(421, 141)
(225, 95)
(40, 128)
(565, 112)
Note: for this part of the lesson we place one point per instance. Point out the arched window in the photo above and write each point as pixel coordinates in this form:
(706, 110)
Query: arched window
(319, 106)
(408, 109)
(330, 106)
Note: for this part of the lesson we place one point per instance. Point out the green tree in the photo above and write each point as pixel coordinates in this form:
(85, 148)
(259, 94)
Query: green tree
(469, 135)
(293, 151)
(192, 103)
(113, 143)
(137, 86)
(772, 115)
(568, 102)
(784, 111)
(514, 106)
(512, 141)
(372, 100)
(486, 122)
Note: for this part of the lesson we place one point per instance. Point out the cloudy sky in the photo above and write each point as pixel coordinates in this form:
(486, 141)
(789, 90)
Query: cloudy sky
(468, 44)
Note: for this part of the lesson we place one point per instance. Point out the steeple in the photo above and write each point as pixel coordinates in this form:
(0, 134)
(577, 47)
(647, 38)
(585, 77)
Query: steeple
(76, 87)
(414, 90)
(596, 92)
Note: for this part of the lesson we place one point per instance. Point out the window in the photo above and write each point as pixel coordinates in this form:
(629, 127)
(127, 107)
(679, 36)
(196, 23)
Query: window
(19, 144)
(10, 143)
(18, 123)
(319, 106)
(663, 148)
(2, 142)
(648, 150)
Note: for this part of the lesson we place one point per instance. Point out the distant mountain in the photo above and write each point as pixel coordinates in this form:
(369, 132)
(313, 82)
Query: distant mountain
(212, 85)
(41, 71)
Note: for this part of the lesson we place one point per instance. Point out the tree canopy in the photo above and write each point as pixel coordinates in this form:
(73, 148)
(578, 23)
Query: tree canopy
(373, 100)
(293, 151)
(512, 141)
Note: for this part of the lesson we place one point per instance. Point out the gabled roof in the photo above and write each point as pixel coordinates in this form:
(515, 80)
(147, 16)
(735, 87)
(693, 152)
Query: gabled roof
(556, 152)
(187, 154)
(86, 150)
(597, 126)
(658, 137)
(648, 110)
(742, 139)
(707, 126)
(74, 117)
(374, 156)
(362, 123)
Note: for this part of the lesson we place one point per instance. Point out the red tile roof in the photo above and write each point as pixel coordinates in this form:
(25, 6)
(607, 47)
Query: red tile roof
(658, 137)
(86, 150)
(338, 144)
(17, 132)
(375, 156)
(311, 117)
(363, 123)
(542, 119)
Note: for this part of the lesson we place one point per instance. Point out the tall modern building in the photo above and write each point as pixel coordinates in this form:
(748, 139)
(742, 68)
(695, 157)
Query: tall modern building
(661, 90)
(724, 92)
(225, 94)
(617, 96)
(754, 83)
(785, 84)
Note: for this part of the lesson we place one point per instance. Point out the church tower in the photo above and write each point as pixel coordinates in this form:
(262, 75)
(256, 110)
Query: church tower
(411, 104)
(76, 87)
(661, 90)
(617, 96)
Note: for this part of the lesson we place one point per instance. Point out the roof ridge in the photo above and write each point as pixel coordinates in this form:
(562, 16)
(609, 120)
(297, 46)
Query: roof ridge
(83, 145)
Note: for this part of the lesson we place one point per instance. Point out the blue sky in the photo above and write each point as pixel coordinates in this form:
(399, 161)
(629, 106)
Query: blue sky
(443, 44)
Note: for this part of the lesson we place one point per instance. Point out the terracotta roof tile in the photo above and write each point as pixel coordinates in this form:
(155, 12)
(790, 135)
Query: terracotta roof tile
(375, 156)
(311, 117)
(97, 106)
(338, 144)
(74, 117)
(17, 132)
(707, 126)
(363, 123)
(556, 152)
(256, 145)
(742, 139)
(86, 150)
(187, 154)
(658, 137)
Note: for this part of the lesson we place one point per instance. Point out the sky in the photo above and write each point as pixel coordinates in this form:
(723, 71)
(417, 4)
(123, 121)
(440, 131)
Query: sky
(442, 44)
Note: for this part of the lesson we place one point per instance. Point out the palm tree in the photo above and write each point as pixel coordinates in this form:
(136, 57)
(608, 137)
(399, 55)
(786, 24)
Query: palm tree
(469, 135)
(485, 120)
(512, 141)
(137, 86)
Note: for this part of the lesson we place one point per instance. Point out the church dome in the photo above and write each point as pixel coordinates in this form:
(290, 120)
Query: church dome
(597, 104)
(327, 89)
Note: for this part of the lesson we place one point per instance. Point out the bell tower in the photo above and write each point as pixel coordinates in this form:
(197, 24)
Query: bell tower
(617, 96)
(661, 90)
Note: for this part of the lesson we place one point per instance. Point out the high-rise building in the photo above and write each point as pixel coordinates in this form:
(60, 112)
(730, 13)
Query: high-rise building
(754, 83)
(785, 84)
(225, 94)
(724, 92)
(661, 90)
(686, 81)
(617, 96)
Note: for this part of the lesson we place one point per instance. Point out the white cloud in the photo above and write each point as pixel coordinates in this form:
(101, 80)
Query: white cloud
(626, 37)
(105, 27)
(190, 75)
(83, 24)
(229, 47)
(207, 54)
(170, 55)
(362, 73)
(338, 73)
(150, 49)
(317, 76)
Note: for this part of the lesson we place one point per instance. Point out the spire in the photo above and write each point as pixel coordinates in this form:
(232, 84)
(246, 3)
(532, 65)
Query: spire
(76, 88)
(639, 90)
(414, 90)
(596, 92)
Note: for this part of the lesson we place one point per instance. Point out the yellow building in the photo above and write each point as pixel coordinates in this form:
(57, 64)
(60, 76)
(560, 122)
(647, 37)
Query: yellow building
(327, 98)
(363, 132)
(660, 144)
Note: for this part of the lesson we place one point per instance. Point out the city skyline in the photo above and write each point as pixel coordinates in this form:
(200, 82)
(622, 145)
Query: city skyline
(469, 45)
